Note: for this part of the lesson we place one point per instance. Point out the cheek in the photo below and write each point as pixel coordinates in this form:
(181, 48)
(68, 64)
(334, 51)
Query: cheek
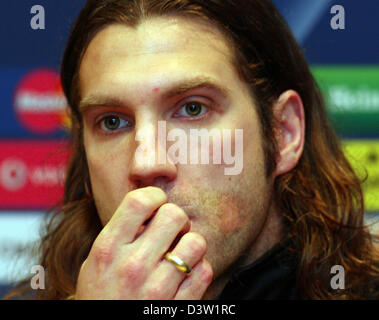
(107, 157)
(230, 222)
(97, 158)
(108, 175)
(229, 217)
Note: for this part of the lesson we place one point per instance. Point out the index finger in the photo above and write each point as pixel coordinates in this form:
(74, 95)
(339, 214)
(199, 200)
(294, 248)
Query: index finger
(136, 207)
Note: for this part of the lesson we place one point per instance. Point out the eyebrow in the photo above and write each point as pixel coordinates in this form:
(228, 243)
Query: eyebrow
(193, 84)
(93, 101)
(175, 90)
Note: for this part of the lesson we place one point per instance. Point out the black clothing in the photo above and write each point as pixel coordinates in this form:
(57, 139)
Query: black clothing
(271, 277)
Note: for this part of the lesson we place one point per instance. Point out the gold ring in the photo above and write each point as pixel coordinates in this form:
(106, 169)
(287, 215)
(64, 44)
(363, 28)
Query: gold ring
(178, 263)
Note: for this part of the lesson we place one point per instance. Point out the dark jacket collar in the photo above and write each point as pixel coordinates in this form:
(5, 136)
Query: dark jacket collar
(271, 277)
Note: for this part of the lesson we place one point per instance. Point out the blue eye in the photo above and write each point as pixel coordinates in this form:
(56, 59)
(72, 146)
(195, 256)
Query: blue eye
(113, 123)
(192, 110)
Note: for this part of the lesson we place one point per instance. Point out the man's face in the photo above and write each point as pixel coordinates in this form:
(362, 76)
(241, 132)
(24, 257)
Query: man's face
(131, 78)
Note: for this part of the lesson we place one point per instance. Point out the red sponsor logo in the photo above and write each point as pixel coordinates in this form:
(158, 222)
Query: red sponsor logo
(32, 174)
(40, 104)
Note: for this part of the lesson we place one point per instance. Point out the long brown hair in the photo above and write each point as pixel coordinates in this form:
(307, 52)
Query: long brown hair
(321, 199)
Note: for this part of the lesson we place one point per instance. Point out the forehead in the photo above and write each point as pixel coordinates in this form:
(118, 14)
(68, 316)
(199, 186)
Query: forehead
(155, 50)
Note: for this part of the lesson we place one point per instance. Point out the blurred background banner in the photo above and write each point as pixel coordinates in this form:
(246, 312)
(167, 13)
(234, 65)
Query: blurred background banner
(31, 173)
(343, 54)
(352, 98)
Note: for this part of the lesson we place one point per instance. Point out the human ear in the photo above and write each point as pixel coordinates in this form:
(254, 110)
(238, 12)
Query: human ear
(290, 131)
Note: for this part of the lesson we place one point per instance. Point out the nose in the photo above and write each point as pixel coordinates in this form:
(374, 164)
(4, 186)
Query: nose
(150, 164)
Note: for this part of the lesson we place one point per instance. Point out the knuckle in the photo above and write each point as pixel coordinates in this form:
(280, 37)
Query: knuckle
(136, 202)
(103, 251)
(154, 293)
(145, 198)
(196, 243)
(174, 214)
(157, 194)
(132, 271)
(207, 275)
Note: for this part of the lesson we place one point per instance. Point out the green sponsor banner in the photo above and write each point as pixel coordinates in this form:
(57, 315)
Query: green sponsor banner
(364, 157)
(352, 97)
